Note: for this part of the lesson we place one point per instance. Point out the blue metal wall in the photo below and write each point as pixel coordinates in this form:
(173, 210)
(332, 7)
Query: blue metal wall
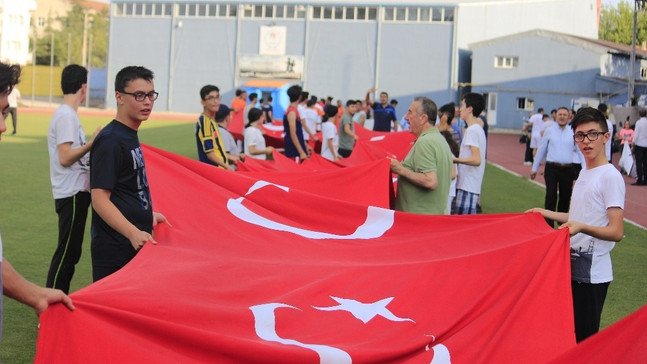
(551, 72)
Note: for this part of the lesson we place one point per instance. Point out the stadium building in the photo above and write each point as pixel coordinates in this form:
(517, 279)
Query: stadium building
(331, 48)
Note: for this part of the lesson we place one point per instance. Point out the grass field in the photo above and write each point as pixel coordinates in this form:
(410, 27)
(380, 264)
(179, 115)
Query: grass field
(28, 222)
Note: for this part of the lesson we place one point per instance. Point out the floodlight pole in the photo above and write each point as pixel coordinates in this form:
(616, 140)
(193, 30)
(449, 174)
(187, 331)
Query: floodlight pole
(638, 4)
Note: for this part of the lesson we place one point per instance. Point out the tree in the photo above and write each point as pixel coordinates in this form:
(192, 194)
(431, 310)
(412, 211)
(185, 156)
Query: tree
(616, 23)
(68, 38)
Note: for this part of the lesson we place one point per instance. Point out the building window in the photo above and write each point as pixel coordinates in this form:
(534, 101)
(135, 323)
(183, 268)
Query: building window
(643, 73)
(345, 13)
(525, 103)
(418, 14)
(278, 11)
(40, 22)
(506, 62)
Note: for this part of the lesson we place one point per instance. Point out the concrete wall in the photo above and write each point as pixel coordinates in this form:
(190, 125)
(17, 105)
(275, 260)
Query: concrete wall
(343, 57)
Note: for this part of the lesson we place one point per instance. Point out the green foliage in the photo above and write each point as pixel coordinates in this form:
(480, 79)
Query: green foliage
(616, 24)
(68, 39)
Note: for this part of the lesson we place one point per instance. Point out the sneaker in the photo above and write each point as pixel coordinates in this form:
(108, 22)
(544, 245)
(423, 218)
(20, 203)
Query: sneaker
(527, 163)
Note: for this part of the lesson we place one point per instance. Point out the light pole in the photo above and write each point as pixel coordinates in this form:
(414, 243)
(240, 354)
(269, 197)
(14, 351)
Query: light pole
(638, 4)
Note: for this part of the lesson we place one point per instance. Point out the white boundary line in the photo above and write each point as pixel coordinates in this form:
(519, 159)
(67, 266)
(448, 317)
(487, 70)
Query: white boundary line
(541, 185)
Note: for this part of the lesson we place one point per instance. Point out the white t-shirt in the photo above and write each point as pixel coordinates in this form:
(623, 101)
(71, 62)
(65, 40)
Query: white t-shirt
(470, 178)
(595, 191)
(312, 119)
(607, 146)
(254, 136)
(301, 108)
(536, 120)
(65, 127)
(329, 131)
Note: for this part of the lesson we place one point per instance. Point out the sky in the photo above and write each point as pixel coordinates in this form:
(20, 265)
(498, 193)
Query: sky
(612, 2)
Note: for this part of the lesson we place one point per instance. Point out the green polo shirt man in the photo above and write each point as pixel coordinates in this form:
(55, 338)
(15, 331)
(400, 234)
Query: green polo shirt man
(425, 175)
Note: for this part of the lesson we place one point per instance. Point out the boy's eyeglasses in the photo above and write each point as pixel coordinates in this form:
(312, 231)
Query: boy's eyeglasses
(140, 96)
(591, 136)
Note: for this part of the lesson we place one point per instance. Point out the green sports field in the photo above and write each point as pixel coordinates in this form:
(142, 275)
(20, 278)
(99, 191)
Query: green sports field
(28, 221)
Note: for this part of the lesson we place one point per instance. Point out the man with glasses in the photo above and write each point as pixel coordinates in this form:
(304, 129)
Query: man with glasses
(594, 221)
(557, 147)
(122, 210)
(211, 146)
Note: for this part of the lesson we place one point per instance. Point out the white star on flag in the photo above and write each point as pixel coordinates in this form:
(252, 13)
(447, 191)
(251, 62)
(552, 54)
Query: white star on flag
(364, 311)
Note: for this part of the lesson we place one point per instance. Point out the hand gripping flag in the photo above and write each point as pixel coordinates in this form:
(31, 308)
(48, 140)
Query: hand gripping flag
(256, 271)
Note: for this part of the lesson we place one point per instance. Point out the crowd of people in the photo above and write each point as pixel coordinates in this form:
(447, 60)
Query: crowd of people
(441, 174)
(308, 119)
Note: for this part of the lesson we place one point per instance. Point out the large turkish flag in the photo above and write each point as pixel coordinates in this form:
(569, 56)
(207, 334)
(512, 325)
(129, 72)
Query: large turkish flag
(255, 270)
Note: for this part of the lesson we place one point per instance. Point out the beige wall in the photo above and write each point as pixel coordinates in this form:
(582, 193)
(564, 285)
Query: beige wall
(46, 9)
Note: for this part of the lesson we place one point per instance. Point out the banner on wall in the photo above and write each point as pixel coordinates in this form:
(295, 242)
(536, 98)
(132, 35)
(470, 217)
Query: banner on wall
(272, 41)
(260, 66)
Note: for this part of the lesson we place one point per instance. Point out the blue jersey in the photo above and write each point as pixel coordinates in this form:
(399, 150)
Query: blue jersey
(383, 117)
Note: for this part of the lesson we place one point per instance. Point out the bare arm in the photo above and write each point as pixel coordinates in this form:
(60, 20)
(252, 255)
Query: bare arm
(611, 232)
(292, 122)
(427, 180)
(212, 157)
(348, 131)
(369, 102)
(560, 217)
(68, 155)
(24, 291)
(310, 132)
(116, 220)
(254, 151)
(332, 149)
(473, 160)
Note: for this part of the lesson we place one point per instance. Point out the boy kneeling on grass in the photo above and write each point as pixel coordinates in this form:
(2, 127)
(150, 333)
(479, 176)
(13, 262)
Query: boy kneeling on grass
(595, 221)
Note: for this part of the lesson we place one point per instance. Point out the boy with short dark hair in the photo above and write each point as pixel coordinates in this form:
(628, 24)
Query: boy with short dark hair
(295, 146)
(122, 210)
(471, 160)
(211, 147)
(595, 221)
(347, 136)
(69, 170)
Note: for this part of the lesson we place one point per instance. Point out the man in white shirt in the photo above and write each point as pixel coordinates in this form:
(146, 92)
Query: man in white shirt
(602, 107)
(557, 147)
(471, 159)
(69, 169)
(13, 108)
(640, 147)
(536, 121)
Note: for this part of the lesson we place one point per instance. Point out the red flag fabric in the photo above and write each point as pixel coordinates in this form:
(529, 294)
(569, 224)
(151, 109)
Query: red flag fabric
(623, 342)
(259, 272)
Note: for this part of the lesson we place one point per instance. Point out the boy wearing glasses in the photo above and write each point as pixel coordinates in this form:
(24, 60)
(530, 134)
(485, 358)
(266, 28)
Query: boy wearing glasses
(594, 220)
(211, 146)
(122, 211)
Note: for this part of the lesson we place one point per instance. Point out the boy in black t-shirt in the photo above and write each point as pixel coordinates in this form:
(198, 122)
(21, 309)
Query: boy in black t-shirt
(122, 213)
